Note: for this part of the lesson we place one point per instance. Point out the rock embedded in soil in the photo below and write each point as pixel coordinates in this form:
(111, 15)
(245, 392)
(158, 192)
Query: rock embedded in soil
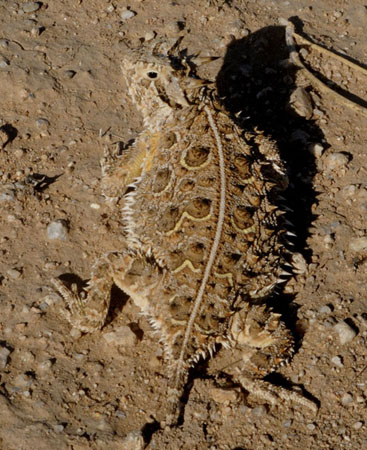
(223, 396)
(128, 14)
(57, 230)
(345, 332)
(29, 7)
(133, 441)
(14, 274)
(4, 357)
(300, 102)
(335, 161)
(358, 244)
(121, 336)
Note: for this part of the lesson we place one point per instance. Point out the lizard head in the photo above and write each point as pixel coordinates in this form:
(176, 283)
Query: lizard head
(161, 80)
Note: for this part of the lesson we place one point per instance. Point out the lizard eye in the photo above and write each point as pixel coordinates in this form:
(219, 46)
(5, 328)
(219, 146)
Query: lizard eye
(152, 75)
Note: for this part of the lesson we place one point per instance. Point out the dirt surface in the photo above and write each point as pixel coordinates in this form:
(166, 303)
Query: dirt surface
(60, 84)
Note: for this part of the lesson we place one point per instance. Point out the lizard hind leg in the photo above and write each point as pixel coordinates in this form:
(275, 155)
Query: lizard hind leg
(258, 343)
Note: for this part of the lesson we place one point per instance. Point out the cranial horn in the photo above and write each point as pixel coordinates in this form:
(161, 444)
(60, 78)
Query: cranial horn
(201, 60)
(198, 82)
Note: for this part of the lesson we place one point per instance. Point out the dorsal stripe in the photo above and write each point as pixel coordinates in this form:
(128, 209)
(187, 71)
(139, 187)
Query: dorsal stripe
(214, 247)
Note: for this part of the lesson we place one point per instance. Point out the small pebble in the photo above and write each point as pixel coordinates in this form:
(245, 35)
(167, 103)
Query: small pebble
(4, 357)
(325, 310)
(311, 426)
(346, 332)
(259, 411)
(75, 333)
(223, 396)
(29, 7)
(36, 31)
(150, 35)
(316, 150)
(133, 441)
(51, 299)
(14, 274)
(358, 244)
(19, 153)
(300, 102)
(27, 357)
(357, 425)
(7, 193)
(335, 161)
(128, 14)
(4, 136)
(4, 63)
(57, 230)
(337, 361)
(58, 428)
(23, 381)
(347, 399)
(42, 123)
(121, 336)
(349, 190)
(70, 74)
(45, 366)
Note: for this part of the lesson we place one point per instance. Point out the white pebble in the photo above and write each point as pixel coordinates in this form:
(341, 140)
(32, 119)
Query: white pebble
(29, 7)
(358, 244)
(27, 357)
(346, 332)
(349, 190)
(357, 425)
(337, 361)
(45, 365)
(57, 230)
(42, 123)
(14, 273)
(259, 411)
(128, 14)
(4, 357)
(150, 35)
(121, 336)
(335, 161)
(347, 399)
(316, 150)
(325, 310)
(133, 441)
(23, 381)
(75, 333)
(4, 63)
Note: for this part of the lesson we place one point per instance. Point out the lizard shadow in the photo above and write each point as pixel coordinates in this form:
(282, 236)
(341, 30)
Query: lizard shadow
(256, 80)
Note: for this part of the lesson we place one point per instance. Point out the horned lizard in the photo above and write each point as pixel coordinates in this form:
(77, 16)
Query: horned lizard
(205, 239)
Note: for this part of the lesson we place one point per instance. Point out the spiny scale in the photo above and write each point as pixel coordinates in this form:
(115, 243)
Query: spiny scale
(205, 238)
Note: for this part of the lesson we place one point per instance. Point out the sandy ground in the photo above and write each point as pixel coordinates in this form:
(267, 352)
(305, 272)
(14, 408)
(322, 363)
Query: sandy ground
(60, 83)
